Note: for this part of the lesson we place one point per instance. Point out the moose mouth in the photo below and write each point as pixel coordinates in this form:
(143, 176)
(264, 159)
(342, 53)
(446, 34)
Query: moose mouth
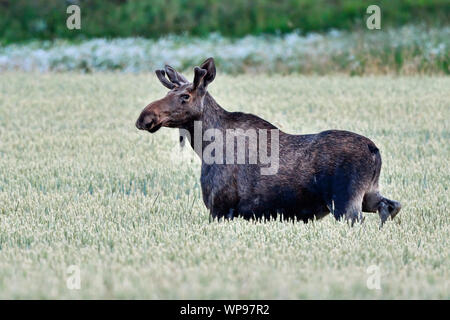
(152, 129)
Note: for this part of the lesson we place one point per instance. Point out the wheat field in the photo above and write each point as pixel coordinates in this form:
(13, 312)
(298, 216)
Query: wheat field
(81, 186)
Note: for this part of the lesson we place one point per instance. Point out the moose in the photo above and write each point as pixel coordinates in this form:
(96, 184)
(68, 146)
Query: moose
(331, 171)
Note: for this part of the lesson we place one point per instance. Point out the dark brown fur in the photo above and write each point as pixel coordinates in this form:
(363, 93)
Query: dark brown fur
(332, 171)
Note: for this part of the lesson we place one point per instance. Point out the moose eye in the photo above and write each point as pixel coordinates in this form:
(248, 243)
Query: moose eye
(185, 97)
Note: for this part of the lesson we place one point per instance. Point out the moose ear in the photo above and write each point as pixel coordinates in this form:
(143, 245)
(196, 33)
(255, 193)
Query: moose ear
(210, 68)
(204, 75)
(162, 77)
(174, 76)
(199, 75)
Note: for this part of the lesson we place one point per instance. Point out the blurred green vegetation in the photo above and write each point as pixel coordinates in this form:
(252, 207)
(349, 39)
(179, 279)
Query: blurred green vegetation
(46, 19)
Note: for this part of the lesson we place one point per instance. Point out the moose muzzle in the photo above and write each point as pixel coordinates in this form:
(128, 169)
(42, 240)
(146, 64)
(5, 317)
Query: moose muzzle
(148, 121)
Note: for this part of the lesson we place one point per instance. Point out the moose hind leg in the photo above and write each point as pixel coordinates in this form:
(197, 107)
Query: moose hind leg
(347, 195)
(394, 207)
(371, 201)
(348, 208)
(374, 201)
(388, 208)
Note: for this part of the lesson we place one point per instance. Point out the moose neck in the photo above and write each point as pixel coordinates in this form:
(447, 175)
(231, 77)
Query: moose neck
(213, 116)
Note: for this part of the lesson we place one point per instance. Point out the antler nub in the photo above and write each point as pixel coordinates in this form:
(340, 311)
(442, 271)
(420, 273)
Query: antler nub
(174, 76)
(162, 77)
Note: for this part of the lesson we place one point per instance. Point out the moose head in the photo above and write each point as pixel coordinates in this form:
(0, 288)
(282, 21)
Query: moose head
(183, 103)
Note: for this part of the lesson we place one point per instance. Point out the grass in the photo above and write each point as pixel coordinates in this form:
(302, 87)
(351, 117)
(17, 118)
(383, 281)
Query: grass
(79, 185)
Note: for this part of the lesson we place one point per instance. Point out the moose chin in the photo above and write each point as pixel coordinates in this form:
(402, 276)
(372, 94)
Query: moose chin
(331, 171)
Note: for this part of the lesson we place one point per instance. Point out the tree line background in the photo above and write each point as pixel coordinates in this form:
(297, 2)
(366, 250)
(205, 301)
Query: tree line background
(46, 19)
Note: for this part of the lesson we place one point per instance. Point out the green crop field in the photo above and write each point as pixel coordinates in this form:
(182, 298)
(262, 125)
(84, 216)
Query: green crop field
(81, 186)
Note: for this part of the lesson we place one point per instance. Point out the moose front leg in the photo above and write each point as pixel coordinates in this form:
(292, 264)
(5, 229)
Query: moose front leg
(213, 214)
(219, 213)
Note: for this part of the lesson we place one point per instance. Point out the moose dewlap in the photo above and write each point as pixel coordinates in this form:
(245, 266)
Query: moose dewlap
(252, 169)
